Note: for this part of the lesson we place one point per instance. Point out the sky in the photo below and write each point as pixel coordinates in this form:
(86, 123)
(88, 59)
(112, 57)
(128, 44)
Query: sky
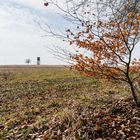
(21, 37)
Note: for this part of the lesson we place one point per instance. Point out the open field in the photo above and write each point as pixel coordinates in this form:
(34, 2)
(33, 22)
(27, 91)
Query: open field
(56, 103)
(31, 66)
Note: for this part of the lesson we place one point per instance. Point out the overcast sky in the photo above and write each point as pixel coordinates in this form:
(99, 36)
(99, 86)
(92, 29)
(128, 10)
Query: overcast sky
(21, 37)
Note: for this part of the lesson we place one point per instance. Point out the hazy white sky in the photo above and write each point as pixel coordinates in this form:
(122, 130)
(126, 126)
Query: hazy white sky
(20, 36)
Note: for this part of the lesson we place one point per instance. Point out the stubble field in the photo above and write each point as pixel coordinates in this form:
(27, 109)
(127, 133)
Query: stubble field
(56, 103)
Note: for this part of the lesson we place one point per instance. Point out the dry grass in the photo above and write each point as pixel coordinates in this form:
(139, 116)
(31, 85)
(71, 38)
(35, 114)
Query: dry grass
(49, 103)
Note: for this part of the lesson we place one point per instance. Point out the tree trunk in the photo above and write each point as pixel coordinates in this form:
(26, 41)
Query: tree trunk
(134, 93)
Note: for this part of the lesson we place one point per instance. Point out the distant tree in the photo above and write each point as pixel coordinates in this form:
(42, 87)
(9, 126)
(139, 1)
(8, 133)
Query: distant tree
(28, 61)
(109, 30)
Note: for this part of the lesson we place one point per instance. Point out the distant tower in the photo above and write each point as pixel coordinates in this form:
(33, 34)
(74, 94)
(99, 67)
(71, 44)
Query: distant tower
(38, 60)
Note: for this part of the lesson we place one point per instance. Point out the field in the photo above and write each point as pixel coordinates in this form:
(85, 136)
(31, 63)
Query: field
(53, 103)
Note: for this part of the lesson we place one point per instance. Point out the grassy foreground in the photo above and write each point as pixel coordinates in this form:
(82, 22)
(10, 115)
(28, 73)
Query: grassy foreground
(59, 104)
